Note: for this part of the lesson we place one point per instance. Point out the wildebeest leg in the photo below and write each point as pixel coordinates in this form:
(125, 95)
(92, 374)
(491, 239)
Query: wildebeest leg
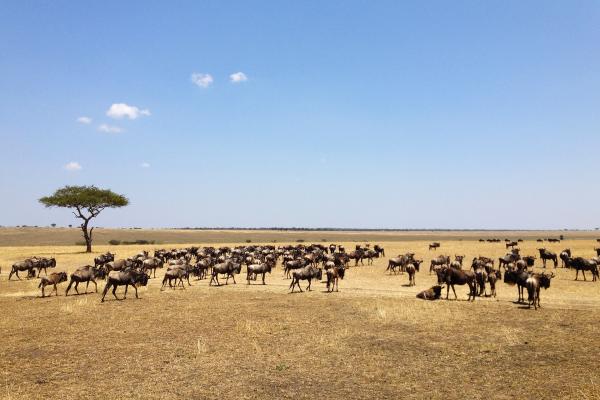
(77, 287)
(136, 293)
(43, 291)
(114, 291)
(126, 287)
(454, 291)
(447, 291)
(308, 287)
(233, 277)
(263, 277)
(55, 290)
(583, 273)
(87, 283)
(68, 288)
(95, 285)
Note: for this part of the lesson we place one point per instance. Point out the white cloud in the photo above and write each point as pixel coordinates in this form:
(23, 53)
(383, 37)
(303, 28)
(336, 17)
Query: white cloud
(73, 166)
(238, 77)
(202, 80)
(84, 120)
(145, 165)
(109, 128)
(122, 110)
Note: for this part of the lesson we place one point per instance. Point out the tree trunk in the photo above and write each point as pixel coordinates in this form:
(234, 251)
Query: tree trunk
(87, 236)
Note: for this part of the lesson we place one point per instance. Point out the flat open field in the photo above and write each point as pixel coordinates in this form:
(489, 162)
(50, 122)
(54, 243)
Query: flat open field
(373, 339)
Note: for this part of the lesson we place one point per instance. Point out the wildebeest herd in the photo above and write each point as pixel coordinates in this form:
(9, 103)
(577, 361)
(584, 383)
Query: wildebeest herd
(307, 263)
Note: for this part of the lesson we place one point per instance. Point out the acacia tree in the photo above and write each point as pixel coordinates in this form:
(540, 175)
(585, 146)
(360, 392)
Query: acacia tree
(88, 202)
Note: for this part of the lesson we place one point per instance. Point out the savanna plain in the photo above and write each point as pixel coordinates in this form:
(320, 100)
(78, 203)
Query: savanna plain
(372, 339)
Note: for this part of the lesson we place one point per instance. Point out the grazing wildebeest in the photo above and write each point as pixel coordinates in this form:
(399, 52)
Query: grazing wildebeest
(518, 277)
(151, 264)
(534, 283)
(548, 255)
(85, 274)
(307, 273)
(434, 245)
(228, 268)
(564, 256)
(581, 264)
(26, 265)
(53, 279)
(333, 276)
(440, 260)
(126, 277)
(452, 276)
(254, 270)
(433, 293)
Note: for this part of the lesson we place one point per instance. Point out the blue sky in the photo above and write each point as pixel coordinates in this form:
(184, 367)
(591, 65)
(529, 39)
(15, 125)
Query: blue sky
(463, 114)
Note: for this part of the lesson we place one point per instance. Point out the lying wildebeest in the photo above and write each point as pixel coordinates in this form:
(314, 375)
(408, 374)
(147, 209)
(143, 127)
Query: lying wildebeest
(452, 276)
(548, 255)
(333, 276)
(518, 277)
(253, 270)
(534, 283)
(21, 266)
(440, 260)
(307, 273)
(53, 279)
(85, 274)
(581, 264)
(126, 277)
(228, 268)
(433, 293)
(151, 264)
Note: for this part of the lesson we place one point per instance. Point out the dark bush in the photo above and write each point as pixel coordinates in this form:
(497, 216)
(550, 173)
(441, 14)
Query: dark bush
(114, 242)
(248, 241)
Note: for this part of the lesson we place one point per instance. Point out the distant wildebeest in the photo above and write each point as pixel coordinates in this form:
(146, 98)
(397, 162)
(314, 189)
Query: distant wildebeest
(253, 270)
(452, 276)
(548, 255)
(53, 279)
(581, 264)
(434, 245)
(228, 268)
(433, 293)
(333, 276)
(511, 244)
(307, 273)
(21, 266)
(126, 277)
(85, 274)
(534, 283)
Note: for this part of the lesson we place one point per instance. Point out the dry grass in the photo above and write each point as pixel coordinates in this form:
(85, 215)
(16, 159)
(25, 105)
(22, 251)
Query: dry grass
(373, 339)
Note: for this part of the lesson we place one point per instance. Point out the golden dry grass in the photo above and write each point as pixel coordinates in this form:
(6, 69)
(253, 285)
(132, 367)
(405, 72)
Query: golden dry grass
(373, 339)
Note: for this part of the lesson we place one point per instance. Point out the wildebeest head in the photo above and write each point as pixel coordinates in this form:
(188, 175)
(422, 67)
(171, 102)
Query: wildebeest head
(341, 272)
(417, 264)
(441, 274)
(544, 280)
(319, 273)
(62, 277)
(142, 279)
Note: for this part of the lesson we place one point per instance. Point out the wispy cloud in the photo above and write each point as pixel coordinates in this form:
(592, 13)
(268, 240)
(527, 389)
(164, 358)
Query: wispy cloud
(238, 77)
(72, 166)
(109, 128)
(145, 165)
(84, 120)
(122, 110)
(202, 80)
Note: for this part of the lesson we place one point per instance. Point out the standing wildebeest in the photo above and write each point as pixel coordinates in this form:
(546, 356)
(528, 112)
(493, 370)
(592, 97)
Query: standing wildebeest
(441, 260)
(333, 276)
(548, 255)
(511, 244)
(380, 250)
(357, 255)
(53, 279)
(517, 277)
(151, 264)
(228, 268)
(177, 273)
(307, 273)
(434, 245)
(533, 284)
(581, 264)
(254, 270)
(26, 265)
(126, 277)
(508, 259)
(453, 276)
(564, 256)
(411, 270)
(103, 259)
(433, 293)
(493, 277)
(43, 264)
(85, 274)
(459, 259)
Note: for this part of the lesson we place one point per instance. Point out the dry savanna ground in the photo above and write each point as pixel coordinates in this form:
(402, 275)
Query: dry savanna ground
(373, 339)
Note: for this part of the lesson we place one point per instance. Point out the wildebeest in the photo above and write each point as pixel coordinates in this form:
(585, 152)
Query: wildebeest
(151, 264)
(511, 244)
(434, 245)
(43, 264)
(517, 277)
(508, 259)
(228, 268)
(103, 259)
(176, 273)
(307, 273)
(548, 255)
(411, 270)
(534, 283)
(254, 270)
(581, 264)
(399, 263)
(53, 279)
(85, 274)
(433, 293)
(493, 277)
(564, 256)
(452, 276)
(333, 276)
(126, 277)
(440, 260)
(21, 266)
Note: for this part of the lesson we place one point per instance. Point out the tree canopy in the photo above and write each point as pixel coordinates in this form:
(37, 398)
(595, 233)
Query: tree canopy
(85, 197)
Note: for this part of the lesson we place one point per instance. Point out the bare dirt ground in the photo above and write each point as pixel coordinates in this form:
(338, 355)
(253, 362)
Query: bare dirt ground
(373, 339)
